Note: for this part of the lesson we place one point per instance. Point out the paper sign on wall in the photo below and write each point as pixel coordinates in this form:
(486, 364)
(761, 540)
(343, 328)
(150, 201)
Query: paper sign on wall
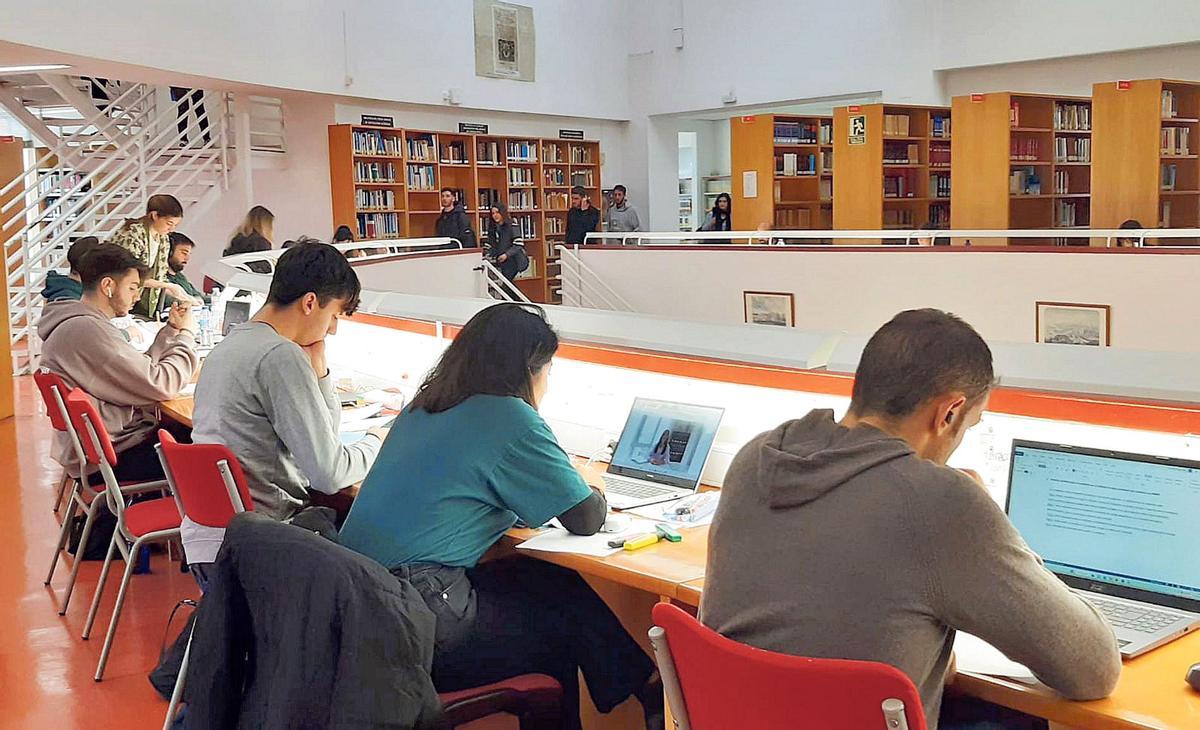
(858, 129)
(750, 184)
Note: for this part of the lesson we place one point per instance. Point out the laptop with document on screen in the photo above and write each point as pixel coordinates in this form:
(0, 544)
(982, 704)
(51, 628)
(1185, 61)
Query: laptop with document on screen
(661, 453)
(1118, 528)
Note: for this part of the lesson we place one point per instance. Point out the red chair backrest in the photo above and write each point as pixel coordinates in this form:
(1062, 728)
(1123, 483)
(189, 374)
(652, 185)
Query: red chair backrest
(726, 684)
(47, 383)
(79, 404)
(198, 482)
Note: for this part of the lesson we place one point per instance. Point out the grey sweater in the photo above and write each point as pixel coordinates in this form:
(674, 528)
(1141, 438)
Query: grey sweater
(622, 219)
(842, 543)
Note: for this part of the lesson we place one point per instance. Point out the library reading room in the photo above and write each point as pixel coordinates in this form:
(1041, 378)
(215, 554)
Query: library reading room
(642, 364)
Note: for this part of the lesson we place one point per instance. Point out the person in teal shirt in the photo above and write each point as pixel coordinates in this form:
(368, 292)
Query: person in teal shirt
(467, 459)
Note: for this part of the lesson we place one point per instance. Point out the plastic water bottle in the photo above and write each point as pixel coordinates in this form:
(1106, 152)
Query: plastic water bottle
(206, 327)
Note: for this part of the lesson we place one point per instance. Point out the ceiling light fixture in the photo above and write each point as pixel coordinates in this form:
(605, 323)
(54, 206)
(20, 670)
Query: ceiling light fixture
(32, 68)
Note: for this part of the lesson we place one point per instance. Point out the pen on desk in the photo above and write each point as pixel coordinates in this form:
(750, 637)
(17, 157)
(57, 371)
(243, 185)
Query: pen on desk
(668, 533)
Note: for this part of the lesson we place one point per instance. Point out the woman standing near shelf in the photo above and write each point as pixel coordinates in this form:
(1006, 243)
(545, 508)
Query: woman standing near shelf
(149, 239)
(721, 217)
(254, 234)
(503, 247)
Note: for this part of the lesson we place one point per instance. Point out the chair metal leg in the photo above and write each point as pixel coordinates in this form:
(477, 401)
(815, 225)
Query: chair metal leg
(177, 693)
(130, 562)
(62, 489)
(63, 534)
(93, 511)
(91, 617)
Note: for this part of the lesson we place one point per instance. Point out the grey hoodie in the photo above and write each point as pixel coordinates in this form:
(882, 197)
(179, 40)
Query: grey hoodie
(84, 347)
(842, 543)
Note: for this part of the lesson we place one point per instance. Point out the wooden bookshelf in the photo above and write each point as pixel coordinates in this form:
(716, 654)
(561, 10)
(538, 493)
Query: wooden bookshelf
(884, 179)
(792, 161)
(12, 166)
(1131, 164)
(532, 175)
(1024, 161)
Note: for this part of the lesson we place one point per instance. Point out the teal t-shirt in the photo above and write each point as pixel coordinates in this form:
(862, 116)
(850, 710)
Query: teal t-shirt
(446, 486)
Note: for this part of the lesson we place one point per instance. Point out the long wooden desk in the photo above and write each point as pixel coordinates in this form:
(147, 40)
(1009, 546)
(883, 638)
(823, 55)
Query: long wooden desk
(1150, 696)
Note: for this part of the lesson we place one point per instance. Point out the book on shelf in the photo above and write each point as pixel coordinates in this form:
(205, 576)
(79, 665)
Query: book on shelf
(899, 153)
(896, 125)
(522, 151)
(583, 177)
(898, 217)
(421, 177)
(898, 186)
(795, 132)
(1175, 140)
(1062, 182)
(487, 198)
(454, 153)
(1066, 214)
(939, 215)
(521, 177)
(552, 153)
(581, 155)
(378, 225)
(793, 218)
(939, 185)
(555, 225)
(939, 155)
(556, 176)
(526, 225)
(521, 200)
(557, 200)
(1170, 104)
(1164, 220)
(939, 125)
(487, 152)
(375, 143)
(1169, 175)
(1014, 113)
(825, 189)
(1072, 149)
(421, 149)
(378, 199)
(1024, 181)
(827, 160)
(827, 132)
(1024, 149)
(790, 164)
(374, 172)
(1072, 117)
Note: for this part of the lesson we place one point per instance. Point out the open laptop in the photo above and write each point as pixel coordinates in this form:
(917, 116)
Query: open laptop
(661, 453)
(1118, 528)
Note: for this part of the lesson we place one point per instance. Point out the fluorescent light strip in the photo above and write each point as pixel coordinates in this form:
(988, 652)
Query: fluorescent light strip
(36, 67)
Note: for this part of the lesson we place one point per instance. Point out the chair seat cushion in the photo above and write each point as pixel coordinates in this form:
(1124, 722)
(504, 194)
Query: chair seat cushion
(152, 515)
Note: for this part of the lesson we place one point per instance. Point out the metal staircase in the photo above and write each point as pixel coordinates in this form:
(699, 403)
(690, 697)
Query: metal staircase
(100, 157)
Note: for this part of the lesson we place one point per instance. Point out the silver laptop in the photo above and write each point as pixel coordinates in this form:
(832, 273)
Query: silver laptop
(661, 453)
(1118, 528)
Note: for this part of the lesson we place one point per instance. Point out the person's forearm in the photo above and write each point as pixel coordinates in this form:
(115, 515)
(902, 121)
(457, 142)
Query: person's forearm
(587, 517)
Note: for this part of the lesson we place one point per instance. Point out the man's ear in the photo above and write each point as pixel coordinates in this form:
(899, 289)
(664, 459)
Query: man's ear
(950, 409)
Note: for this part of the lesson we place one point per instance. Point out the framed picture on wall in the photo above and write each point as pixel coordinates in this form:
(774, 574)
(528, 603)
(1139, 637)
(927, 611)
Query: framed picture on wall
(1066, 323)
(777, 309)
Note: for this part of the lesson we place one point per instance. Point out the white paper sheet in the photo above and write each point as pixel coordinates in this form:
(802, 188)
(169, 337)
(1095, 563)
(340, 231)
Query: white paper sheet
(361, 412)
(973, 654)
(366, 424)
(558, 540)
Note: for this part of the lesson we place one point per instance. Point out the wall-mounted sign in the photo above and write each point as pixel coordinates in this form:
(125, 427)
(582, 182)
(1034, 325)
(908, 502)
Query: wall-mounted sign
(855, 108)
(977, 98)
(472, 128)
(377, 120)
(570, 134)
(748, 119)
(1124, 85)
(858, 129)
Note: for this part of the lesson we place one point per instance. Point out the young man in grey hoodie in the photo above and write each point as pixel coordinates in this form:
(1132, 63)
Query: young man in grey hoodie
(854, 540)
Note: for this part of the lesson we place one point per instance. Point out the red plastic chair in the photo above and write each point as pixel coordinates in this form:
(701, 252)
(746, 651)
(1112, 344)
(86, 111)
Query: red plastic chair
(153, 520)
(534, 699)
(715, 683)
(54, 393)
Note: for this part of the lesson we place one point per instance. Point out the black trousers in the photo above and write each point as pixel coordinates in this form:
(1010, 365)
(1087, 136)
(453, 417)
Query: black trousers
(190, 96)
(519, 616)
(140, 463)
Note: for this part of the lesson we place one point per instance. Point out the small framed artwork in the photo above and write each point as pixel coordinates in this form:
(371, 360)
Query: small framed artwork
(1066, 323)
(777, 309)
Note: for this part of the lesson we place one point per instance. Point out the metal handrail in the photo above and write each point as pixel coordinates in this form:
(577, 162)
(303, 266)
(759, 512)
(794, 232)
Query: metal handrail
(494, 280)
(910, 237)
(611, 300)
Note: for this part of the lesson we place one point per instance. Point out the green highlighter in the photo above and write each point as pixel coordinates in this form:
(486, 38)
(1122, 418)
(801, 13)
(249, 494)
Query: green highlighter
(668, 533)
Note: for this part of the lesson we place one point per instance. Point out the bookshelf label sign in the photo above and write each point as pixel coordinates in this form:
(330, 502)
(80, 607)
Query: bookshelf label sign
(858, 129)
(472, 128)
(570, 134)
(1124, 85)
(377, 120)
(977, 98)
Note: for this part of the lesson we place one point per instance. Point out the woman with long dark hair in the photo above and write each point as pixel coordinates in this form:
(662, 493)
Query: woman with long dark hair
(504, 247)
(467, 459)
(149, 239)
(661, 453)
(721, 217)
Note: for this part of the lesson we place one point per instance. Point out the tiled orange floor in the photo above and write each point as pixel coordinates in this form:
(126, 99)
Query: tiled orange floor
(45, 668)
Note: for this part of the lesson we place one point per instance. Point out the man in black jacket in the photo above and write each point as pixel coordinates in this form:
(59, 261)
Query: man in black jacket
(454, 221)
(583, 217)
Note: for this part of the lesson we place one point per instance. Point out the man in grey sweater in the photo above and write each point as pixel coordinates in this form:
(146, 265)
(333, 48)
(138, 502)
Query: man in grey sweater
(621, 217)
(265, 392)
(853, 540)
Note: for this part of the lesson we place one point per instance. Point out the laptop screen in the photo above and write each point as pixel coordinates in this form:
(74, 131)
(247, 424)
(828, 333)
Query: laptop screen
(1125, 521)
(666, 442)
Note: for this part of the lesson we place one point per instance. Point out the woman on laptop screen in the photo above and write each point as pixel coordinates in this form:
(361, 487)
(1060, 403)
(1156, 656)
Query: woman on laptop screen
(462, 463)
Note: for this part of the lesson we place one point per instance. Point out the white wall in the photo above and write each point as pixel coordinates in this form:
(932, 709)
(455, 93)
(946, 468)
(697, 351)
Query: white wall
(857, 291)
(443, 275)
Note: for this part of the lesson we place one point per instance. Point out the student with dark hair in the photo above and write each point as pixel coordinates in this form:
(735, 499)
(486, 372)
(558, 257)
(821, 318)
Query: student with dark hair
(621, 217)
(82, 345)
(454, 221)
(583, 217)
(922, 550)
(267, 394)
(1129, 225)
(148, 239)
(343, 234)
(504, 247)
(69, 286)
(181, 253)
(721, 217)
(436, 501)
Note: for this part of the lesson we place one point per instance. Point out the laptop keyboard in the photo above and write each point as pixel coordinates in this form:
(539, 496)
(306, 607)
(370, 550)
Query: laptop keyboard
(634, 489)
(1134, 618)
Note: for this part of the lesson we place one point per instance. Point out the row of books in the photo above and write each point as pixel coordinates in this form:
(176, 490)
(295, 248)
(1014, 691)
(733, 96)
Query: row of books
(421, 177)
(522, 177)
(487, 153)
(552, 153)
(939, 155)
(1072, 149)
(556, 176)
(895, 125)
(521, 200)
(1014, 113)
(793, 218)
(1164, 220)
(526, 225)
(488, 197)
(581, 155)
(454, 153)
(1024, 148)
(557, 201)
(796, 132)
(826, 160)
(1072, 117)
(898, 217)
(1170, 174)
(374, 172)
(1024, 181)
(898, 153)
(939, 126)
(555, 225)
(1069, 213)
(375, 143)
(939, 185)
(421, 148)
(378, 199)
(1062, 182)
(1175, 140)
(826, 188)
(522, 151)
(899, 186)
(378, 225)
(790, 164)
(939, 215)
(1170, 104)
(583, 177)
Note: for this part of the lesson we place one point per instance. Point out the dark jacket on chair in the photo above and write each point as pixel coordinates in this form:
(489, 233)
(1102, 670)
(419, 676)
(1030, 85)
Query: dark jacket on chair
(297, 632)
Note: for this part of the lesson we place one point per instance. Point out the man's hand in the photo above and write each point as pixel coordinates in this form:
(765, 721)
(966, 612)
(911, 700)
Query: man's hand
(316, 356)
(181, 317)
(175, 291)
(502, 258)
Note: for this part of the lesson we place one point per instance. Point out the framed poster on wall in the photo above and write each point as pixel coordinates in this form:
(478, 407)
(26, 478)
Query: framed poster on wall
(1066, 323)
(504, 41)
(777, 309)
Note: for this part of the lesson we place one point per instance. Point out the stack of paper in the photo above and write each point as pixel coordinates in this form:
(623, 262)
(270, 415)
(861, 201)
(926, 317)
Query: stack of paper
(973, 654)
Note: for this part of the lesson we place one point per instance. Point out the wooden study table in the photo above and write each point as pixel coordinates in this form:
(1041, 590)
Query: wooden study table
(1151, 694)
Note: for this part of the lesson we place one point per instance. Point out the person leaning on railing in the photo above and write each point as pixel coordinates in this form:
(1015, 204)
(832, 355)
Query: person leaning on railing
(148, 239)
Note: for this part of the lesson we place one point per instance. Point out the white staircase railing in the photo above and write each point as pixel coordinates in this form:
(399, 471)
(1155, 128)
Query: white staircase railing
(497, 286)
(98, 179)
(582, 287)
